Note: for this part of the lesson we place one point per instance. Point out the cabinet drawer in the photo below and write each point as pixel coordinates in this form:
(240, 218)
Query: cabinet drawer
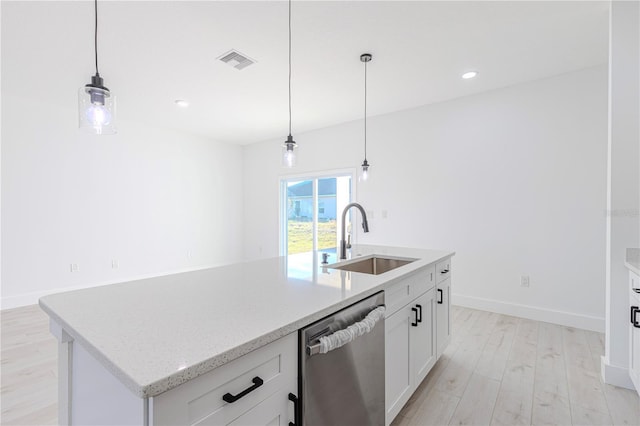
(273, 411)
(200, 401)
(634, 281)
(443, 270)
(424, 281)
(403, 292)
(396, 296)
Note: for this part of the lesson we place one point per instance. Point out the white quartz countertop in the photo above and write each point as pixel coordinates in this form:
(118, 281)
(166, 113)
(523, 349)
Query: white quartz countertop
(632, 260)
(157, 333)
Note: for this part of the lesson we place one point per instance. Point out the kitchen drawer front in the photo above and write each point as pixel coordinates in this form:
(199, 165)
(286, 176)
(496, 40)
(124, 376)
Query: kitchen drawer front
(443, 270)
(423, 281)
(396, 296)
(200, 401)
(634, 281)
(274, 411)
(399, 294)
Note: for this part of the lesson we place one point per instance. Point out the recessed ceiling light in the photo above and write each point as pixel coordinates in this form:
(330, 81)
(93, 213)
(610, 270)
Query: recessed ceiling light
(469, 74)
(181, 103)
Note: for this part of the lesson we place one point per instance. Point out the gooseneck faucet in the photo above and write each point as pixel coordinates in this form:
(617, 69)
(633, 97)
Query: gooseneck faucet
(365, 226)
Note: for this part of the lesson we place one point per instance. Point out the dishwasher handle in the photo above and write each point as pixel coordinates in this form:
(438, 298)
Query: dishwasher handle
(347, 335)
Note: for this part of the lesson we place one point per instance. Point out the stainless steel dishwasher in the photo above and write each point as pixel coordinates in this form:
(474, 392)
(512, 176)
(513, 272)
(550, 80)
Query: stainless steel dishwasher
(344, 386)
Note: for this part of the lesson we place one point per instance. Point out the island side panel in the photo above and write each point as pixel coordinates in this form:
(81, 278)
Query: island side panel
(89, 393)
(65, 354)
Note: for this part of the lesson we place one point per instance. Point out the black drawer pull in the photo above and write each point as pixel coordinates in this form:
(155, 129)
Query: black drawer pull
(296, 420)
(634, 321)
(415, 323)
(419, 319)
(257, 382)
(444, 271)
(441, 294)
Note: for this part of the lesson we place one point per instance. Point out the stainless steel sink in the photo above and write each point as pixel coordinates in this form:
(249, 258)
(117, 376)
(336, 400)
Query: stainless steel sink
(374, 265)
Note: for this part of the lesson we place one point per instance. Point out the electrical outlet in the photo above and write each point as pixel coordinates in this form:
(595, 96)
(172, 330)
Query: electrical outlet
(524, 281)
(115, 264)
(74, 267)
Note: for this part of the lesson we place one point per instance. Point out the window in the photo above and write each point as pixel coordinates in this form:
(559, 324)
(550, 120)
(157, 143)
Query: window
(311, 209)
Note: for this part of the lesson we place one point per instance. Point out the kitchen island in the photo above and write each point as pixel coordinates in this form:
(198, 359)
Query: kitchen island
(124, 346)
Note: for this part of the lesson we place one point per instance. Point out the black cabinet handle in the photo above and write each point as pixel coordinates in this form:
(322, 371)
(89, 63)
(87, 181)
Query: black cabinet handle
(441, 294)
(634, 321)
(296, 413)
(419, 319)
(415, 323)
(257, 382)
(444, 271)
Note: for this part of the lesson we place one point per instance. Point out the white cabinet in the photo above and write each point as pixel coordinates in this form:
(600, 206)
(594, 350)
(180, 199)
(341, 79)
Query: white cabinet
(254, 387)
(398, 375)
(443, 315)
(400, 293)
(423, 341)
(417, 330)
(634, 330)
(410, 349)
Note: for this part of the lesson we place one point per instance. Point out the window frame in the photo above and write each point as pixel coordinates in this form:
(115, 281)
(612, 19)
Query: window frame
(313, 176)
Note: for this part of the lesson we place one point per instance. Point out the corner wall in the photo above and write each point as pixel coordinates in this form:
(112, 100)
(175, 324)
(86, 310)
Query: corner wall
(623, 183)
(513, 180)
(141, 203)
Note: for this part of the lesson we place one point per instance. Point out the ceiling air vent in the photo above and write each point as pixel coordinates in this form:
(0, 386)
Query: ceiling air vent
(236, 59)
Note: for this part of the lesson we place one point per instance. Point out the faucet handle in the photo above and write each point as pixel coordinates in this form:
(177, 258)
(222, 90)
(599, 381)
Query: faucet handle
(325, 258)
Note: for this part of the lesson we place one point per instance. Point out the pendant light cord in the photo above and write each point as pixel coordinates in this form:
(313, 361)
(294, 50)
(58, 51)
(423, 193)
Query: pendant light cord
(289, 67)
(365, 111)
(95, 34)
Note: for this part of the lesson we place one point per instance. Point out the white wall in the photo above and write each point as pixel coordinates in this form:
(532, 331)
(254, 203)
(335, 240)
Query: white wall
(513, 180)
(145, 197)
(623, 182)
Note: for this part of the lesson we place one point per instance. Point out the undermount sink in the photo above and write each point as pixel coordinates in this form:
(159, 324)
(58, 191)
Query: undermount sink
(374, 265)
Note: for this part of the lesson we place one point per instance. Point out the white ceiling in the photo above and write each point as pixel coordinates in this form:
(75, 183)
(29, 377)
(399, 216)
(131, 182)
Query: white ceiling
(152, 53)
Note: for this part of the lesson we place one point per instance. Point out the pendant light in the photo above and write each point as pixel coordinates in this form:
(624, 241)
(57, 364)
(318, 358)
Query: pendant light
(289, 147)
(365, 58)
(96, 104)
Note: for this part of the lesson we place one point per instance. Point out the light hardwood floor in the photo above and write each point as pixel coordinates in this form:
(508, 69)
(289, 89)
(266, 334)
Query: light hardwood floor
(503, 370)
(498, 370)
(29, 383)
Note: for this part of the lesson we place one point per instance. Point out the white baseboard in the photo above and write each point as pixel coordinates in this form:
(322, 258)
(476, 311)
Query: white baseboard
(531, 312)
(24, 299)
(615, 375)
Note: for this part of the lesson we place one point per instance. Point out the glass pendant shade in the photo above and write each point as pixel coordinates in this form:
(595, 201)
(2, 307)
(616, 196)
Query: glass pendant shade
(289, 153)
(96, 108)
(365, 170)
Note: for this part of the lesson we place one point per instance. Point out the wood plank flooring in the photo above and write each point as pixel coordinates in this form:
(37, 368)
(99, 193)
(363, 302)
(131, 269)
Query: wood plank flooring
(29, 383)
(502, 370)
(498, 370)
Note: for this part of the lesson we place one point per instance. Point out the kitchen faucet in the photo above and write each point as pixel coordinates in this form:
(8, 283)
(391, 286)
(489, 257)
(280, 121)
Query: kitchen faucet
(365, 226)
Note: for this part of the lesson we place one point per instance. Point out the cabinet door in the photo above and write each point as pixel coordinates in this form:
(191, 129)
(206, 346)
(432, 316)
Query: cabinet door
(634, 346)
(423, 342)
(398, 377)
(443, 317)
(273, 411)
(634, 349)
